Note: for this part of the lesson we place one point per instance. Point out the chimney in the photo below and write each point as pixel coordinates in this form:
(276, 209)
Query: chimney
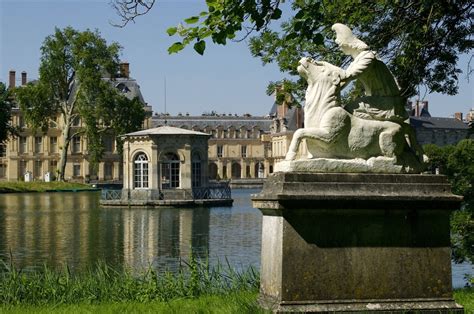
(23, 78)
(125, 69)
(11, 79)
(425, 105)
(416, 108)
(458, 116)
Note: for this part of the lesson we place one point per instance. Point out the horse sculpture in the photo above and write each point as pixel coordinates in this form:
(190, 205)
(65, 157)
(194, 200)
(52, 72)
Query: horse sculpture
(331, 132)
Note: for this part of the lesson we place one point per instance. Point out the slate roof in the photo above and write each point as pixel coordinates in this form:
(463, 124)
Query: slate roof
(437, 123)
(129, 87)
(262, 123)
(165, 130)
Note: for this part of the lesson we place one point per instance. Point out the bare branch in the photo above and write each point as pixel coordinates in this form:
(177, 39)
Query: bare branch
(129, 10)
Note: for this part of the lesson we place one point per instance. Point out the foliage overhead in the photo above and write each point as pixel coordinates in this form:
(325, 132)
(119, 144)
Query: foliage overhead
(6, 129)
(419, 39)
(72, 85)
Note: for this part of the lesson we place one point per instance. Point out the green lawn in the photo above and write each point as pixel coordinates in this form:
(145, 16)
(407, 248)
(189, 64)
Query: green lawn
(242, 302)
(39, 186)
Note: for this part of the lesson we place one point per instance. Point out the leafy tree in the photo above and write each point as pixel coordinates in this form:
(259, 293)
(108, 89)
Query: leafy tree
(6, 129)
(457, 162)
(71, 86)
(419, 39)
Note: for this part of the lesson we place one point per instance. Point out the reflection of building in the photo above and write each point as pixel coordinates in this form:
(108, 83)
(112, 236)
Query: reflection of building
(58, 229)
(164, 237)
(38, 152)
(435, 130)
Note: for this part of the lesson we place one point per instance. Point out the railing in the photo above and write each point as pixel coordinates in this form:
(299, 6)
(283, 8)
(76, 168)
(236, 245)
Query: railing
(111, 194)
(215, 190)
(220, 190)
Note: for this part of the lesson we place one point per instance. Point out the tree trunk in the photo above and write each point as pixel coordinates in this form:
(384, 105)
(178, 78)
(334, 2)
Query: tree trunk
(63, 158)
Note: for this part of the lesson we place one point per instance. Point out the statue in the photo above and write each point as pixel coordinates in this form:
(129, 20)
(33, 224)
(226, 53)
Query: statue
(368, 135)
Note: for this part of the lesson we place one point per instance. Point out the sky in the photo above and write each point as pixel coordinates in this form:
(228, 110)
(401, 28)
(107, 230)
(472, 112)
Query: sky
(227, 79)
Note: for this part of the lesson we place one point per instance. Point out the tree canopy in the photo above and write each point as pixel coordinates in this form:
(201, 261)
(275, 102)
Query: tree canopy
(421, 40)
(6, 128)
(457, 162)
(76, 72)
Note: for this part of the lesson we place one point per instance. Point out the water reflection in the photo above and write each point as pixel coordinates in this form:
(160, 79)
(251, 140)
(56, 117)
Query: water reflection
(70, 228)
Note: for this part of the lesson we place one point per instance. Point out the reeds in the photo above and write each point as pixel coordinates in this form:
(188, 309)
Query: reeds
(105, 284)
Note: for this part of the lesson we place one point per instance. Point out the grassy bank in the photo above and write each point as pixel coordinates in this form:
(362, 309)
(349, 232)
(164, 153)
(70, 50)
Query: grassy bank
(104, 285)
(39, 186)
(195, 289)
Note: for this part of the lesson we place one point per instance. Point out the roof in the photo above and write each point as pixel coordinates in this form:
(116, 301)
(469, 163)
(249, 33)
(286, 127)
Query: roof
(129, 88)
(201, 122)
(165, 130)
(437, 123)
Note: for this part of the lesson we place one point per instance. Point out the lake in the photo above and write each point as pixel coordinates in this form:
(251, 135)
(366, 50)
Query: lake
(70, 228)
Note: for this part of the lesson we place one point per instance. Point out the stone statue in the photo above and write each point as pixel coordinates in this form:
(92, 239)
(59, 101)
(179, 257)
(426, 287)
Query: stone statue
(369, 135)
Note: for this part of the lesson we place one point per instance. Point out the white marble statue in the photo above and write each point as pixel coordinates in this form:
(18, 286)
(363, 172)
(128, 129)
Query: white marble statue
(368, 135)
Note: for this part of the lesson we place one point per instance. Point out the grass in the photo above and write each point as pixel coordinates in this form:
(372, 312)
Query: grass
(39, 186)
(239, 302)
(195, 288)
(104, 284)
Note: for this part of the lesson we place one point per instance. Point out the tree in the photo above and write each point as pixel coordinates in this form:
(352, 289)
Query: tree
(420, 40)
(6, 129)
(72, 86)
(457, 162)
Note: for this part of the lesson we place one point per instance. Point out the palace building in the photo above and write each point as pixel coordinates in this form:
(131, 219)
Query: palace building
(37, 153)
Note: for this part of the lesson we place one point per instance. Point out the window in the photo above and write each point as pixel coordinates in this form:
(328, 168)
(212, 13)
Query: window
(140, 171)
(23, 145)
(21, 122)
(108, 170)
(38, 144)
(237, 133)
(22, 168)
(243, 150)
(170, 171)
(108, 143)
(76, 121)
(53, 122)
(53, 166)
(37, 167)
(76, 170)
(196, 170)
(3, 171)
(53, 144)
(3, 150)
(219, 151)
(76, 144)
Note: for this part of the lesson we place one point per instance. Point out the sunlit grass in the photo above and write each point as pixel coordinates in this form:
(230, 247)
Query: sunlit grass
(104, 284)
(39, 186)
(195, 288)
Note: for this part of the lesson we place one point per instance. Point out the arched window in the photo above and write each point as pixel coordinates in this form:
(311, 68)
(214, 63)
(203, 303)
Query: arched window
(236, 170)
(259, 169)
(140, 171)
(170, 171)
(196, 170)
(213, 171)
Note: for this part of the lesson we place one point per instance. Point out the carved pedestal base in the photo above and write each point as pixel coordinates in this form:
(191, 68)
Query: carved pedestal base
(356, 243)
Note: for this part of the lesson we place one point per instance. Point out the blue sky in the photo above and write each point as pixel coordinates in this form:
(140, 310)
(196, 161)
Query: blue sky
(226, 79)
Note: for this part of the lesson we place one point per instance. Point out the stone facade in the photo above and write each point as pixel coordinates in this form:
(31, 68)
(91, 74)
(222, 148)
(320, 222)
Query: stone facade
(239, 147)
(164, 163)
(38, 152)
(436, 130)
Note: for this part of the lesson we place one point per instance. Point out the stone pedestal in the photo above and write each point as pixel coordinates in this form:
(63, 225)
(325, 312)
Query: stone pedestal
(356, 243)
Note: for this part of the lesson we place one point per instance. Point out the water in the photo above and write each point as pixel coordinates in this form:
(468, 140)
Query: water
(70, 228)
